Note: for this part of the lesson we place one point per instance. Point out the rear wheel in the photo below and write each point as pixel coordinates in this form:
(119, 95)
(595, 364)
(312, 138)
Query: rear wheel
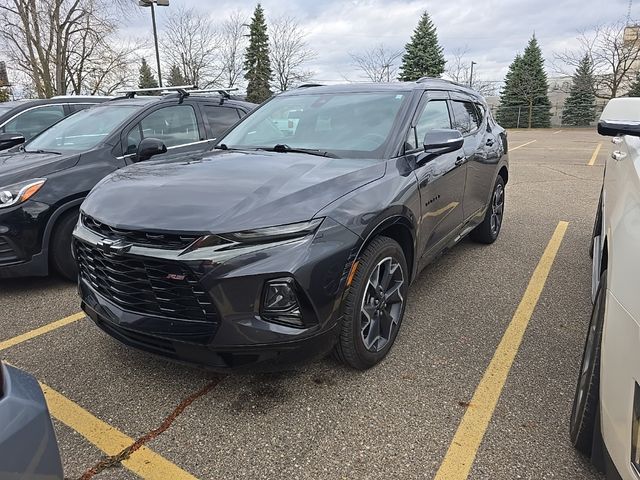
(584, 413)
(488, 231)
(60, 254)
(374, 306)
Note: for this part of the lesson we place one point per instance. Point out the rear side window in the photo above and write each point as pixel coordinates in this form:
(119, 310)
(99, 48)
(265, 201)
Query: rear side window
(220, 118)
(466, 117)
(434, 116)
(174, 126)
(31, 122)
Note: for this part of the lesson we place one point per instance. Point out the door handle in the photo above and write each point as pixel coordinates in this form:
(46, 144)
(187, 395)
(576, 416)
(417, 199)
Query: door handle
(460, 160)
(618, 155)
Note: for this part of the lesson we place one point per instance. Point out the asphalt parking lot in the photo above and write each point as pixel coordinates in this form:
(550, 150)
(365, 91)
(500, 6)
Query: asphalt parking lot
(413, 416)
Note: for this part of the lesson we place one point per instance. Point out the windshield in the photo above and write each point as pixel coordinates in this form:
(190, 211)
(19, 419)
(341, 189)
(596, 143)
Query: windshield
(83, 130)
(351, 125)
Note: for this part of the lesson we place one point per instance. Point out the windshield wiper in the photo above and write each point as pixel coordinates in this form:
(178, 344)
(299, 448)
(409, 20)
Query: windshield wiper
(42, 151)
(284, 148)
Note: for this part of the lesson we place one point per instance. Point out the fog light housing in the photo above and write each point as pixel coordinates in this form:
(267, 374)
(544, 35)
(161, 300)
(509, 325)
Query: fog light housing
(280, 303)
(635, 430)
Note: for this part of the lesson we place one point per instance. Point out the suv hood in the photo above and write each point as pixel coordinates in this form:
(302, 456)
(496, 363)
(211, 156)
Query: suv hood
(19, 166)
(226, 191)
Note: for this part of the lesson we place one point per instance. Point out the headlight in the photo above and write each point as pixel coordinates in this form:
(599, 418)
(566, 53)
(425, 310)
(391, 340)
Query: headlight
(274, 234)
(19, 192)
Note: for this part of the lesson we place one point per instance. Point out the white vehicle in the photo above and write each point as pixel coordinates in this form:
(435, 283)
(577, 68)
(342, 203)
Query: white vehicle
(605, 420)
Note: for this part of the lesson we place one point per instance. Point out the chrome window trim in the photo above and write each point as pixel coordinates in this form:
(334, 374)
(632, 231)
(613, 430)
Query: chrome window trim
(169, 148)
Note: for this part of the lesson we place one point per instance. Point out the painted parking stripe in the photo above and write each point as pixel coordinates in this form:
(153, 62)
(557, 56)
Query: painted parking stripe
(523, 145)
(12, 342)
(143, 462)
(462, 452)
(594, 157)
(555, 133)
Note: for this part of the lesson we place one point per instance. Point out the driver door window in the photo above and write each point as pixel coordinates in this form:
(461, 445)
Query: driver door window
(174, 126)
(434, 116)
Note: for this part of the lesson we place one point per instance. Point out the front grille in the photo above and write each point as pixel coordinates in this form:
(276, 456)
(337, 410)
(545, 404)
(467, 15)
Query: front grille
(137, 237)
(148, 286)
(7, 253)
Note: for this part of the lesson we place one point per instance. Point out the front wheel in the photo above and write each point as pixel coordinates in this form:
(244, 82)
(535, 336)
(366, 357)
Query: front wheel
(374, 305)
(488, 231)
(586, 399)
(60, 252)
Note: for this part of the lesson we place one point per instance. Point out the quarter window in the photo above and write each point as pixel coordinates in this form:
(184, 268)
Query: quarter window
(434, 116)
(32, 122)
(174, 126)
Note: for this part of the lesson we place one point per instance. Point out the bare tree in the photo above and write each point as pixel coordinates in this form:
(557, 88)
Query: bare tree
(232, 47)
(458, 69)
(614, 53)
(378, 63)
(289, 52)
(190, 41)
(52, 41)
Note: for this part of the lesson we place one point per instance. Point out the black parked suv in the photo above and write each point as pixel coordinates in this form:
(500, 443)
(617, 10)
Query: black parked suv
(22, 120)
(301, 234)
(43, 183)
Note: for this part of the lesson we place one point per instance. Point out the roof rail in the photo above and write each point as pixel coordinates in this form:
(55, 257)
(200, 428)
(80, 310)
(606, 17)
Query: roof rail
(309, 85)
(225, 92)
(183, 90)
(427, 79)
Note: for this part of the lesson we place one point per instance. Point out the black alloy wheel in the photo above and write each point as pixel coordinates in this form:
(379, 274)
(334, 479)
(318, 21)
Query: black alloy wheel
(374, 304)
(488, 231)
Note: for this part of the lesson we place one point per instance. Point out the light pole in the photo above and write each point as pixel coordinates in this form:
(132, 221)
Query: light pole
(150, 3)
(471, 75)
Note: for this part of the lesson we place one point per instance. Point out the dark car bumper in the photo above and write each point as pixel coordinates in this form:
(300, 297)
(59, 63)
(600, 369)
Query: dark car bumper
(234, 334)
(28, 447)
(22, 230)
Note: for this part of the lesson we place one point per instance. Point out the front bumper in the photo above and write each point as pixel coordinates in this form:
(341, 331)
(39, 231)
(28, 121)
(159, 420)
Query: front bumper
(28, 447)
(233, 334)
(22, 231)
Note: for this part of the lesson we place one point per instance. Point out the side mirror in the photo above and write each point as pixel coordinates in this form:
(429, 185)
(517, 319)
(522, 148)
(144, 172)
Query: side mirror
(439, 142)
(8, 140)
(150, 147)
(621, 116)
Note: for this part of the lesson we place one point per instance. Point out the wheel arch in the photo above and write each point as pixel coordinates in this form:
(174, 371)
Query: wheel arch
(400, 229)
(53, 220)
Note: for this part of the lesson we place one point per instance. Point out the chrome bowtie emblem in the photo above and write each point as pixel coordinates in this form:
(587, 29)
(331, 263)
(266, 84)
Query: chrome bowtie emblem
(114, 247)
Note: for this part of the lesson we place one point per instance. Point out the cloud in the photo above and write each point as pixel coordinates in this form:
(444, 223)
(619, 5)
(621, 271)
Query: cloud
(492, 31)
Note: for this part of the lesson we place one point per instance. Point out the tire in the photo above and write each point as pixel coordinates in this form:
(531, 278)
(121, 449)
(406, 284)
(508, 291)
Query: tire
(584, 413)
(60, 254)
(368, 331)
(487, 232)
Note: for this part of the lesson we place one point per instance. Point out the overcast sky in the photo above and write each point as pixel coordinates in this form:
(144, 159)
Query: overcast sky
(493, 31)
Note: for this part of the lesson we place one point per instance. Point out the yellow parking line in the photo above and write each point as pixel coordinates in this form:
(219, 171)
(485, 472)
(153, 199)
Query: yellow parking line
(464, 446)
(523, 145)
(143, 462)
(595, 155)
(12, 342)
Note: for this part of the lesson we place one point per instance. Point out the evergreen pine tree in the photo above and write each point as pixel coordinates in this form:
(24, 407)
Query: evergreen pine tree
(580, 105)
(175, 77)
(147, 80)
(423, 56)
(524, 99)
(257, 64)
(4, 94)
(634, 91)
